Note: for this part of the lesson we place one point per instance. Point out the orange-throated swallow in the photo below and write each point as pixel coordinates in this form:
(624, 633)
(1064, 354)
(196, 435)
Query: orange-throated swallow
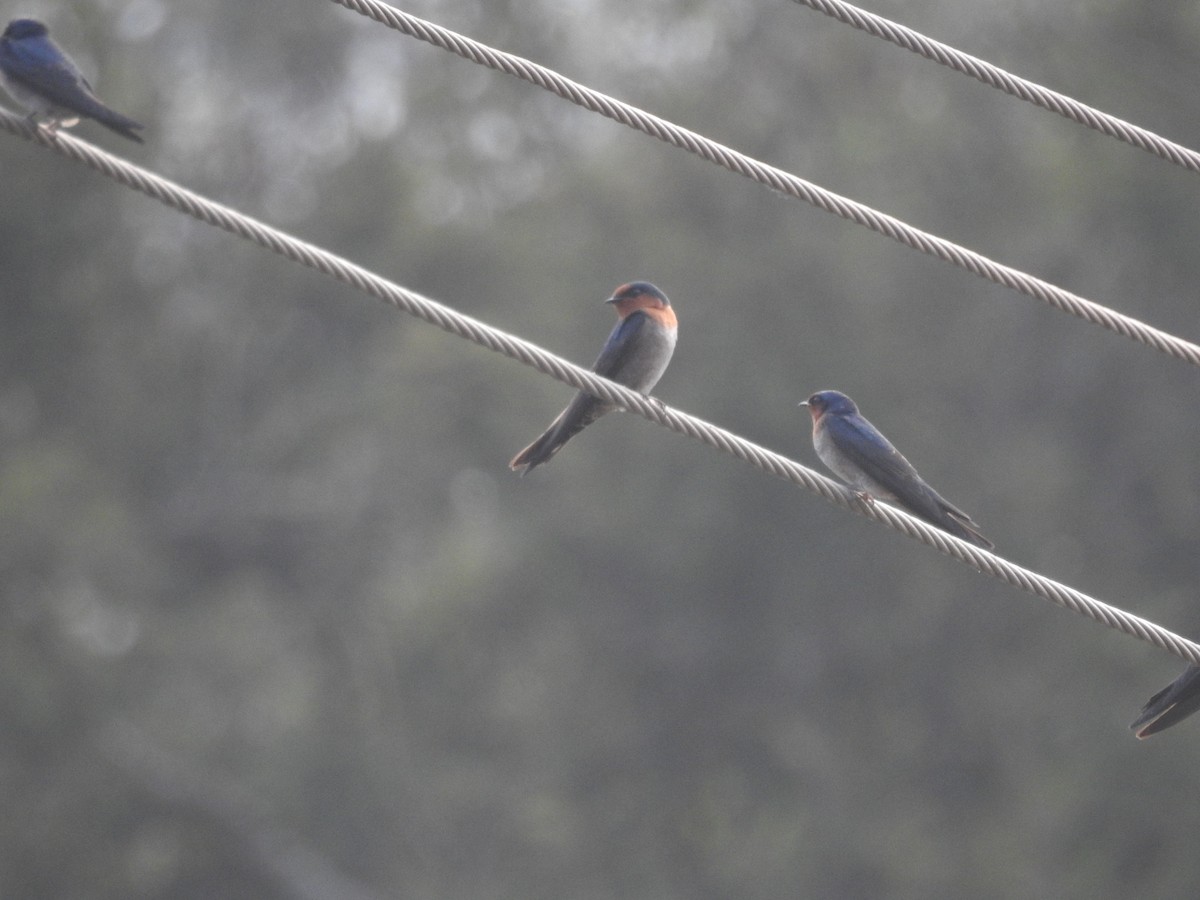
(635, 355)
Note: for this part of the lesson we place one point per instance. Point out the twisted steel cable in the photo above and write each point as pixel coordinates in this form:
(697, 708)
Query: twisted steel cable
(994, 76)
(176, 197)
(777, 179)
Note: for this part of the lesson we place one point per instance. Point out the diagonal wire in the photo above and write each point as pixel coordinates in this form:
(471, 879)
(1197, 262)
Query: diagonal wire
(211, 213)
(994, 76)
(778, 179)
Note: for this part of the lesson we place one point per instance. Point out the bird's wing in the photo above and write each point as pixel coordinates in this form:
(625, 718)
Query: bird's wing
(863, 445)
(620, 344)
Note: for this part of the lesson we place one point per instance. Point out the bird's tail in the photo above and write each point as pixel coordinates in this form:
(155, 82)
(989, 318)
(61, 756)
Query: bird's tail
(967, 530)
(1171, 705)
(114, 121)
(926, 503)
(1153, 718)
(583, 411)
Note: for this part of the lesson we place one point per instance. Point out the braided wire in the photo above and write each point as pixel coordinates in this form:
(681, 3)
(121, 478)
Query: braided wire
(176, 197)
(777, 179)
(994, 76)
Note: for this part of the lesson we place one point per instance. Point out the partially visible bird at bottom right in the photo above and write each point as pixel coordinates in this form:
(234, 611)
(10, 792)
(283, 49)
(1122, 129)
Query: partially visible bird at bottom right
(1171, 705)
(861, 456)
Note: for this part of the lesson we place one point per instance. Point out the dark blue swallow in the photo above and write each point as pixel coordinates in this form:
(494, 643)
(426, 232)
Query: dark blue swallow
(857, 453)
(635, 355)
(1172, 704)
(43, 79)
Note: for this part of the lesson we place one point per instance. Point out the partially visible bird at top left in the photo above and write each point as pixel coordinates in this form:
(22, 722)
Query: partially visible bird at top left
(43, 79)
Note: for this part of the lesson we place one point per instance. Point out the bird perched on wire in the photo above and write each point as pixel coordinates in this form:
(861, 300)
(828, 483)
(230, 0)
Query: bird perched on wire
(861, 456)
(1172, 704)
(635, 355)
(45, 81)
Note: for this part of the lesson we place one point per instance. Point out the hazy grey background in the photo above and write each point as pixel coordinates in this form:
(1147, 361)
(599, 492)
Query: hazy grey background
(277, 621)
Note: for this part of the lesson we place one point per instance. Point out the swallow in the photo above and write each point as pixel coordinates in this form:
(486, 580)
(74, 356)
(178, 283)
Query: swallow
(635, 355)
(861, 456)
(43, 79)
(1172, 704)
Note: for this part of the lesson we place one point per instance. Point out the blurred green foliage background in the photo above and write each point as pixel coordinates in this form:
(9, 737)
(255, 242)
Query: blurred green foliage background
(276, 620)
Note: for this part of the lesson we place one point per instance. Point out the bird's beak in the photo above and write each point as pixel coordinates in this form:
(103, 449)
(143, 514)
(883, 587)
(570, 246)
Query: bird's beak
(612, 299)
(802, 403)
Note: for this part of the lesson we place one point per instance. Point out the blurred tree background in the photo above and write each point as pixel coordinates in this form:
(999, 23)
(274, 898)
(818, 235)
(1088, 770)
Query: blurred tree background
(278, 622)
